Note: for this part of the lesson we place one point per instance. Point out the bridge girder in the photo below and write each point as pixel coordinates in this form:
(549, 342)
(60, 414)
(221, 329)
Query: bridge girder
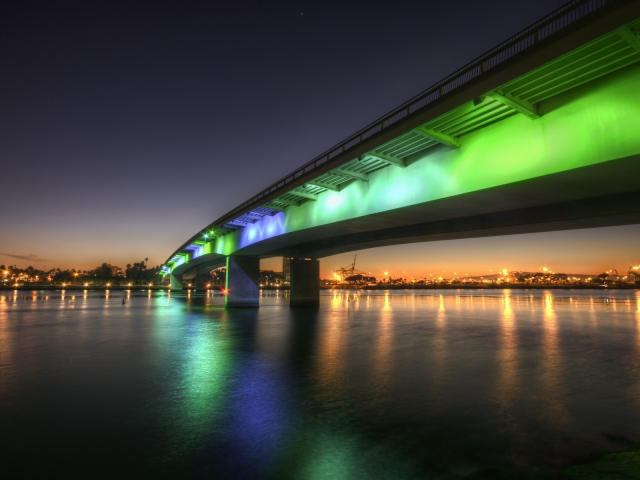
(306, 195)
(275, 207)
(326, 186)
(438, 137)
(521, 106)
(289, 203)
(363, 177)
(388, 159)
(630, 37)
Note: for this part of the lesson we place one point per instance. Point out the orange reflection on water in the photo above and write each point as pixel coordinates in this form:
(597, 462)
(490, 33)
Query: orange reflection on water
(507, 384)
(550, 328)
(638, 320)
(635, 391)
(330, 356)
(329, 364)
(438, 352)
(507, 313)
(336, 301)
(6, 344)
(552, 366)
(441, 317)
(384, 337)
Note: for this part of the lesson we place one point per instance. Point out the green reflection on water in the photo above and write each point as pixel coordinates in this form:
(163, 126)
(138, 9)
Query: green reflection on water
(203, 380)
(203, 359)
(323, 452)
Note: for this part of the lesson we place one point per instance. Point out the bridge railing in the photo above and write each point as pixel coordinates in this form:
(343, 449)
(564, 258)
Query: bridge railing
(569, 16)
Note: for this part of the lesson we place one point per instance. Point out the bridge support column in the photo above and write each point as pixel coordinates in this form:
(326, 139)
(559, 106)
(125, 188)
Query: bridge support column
(176, 282)
(243, 274)
(305, 282)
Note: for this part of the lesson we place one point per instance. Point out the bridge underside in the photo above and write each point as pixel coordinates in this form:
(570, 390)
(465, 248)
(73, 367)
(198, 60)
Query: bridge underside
(601, 195)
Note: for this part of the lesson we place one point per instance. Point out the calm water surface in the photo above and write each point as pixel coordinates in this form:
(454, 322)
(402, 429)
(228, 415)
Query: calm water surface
(378, 385)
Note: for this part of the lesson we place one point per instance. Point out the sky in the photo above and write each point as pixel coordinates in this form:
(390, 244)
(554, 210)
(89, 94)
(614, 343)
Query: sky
(126, 127)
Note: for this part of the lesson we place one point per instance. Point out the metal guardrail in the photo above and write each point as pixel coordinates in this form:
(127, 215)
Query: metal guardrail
(562, 20)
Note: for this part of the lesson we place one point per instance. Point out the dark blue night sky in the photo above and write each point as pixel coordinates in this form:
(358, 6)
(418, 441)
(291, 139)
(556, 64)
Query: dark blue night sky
(127, 126)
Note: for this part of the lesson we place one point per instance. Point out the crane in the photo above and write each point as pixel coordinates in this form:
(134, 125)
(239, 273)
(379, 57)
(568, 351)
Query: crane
(350, 273)
(344, 272)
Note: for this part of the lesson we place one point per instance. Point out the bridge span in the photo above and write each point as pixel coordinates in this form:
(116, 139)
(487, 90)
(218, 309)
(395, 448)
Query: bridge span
(541, 133)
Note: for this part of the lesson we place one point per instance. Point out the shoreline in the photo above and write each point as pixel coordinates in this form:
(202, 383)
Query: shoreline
(486, 287)
(163, 288)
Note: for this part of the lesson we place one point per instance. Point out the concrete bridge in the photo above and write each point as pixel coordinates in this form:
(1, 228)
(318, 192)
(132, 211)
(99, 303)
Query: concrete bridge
(541, 133)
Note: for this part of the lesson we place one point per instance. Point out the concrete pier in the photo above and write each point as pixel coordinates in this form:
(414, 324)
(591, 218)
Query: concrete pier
(243, 275)
(305, 282)
(176, 282)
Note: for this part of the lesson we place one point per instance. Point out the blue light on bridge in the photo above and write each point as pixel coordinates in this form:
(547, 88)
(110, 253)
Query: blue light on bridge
(268, 227)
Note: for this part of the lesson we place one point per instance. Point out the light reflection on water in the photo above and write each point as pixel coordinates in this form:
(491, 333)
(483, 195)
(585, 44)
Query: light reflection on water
(379, 384)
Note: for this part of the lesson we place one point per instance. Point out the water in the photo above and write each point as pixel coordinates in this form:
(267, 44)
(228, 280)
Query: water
(385, 385)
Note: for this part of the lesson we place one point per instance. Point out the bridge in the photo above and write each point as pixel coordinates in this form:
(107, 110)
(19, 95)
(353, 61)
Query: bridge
(540, 133)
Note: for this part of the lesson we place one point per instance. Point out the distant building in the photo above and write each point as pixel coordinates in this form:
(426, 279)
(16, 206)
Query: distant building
(114, 270)
(270, 278)
(286, 270)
